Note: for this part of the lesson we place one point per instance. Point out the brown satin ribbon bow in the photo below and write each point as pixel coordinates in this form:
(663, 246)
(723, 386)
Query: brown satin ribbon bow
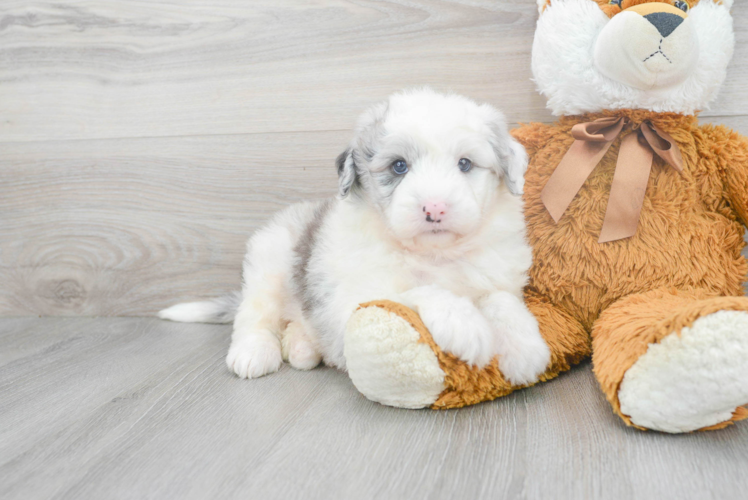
(593, 139)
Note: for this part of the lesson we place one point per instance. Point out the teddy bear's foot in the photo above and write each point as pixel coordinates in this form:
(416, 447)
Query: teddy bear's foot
(386, 360)
(693, 379)
(392, 358)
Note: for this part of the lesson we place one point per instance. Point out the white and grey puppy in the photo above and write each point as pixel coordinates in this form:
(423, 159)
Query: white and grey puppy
(422, 218)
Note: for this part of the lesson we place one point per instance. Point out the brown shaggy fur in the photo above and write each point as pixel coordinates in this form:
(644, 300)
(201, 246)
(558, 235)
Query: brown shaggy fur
(684, 261)
(624, 331)
(614, 299)
(689, 235)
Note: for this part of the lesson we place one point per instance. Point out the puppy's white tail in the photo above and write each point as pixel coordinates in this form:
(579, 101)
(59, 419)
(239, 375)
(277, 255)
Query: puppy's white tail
(220, 310)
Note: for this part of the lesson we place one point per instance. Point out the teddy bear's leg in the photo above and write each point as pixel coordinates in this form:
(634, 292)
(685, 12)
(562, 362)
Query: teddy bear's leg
(392, 359)
(386, 358)
(674, 361)
(567, 338)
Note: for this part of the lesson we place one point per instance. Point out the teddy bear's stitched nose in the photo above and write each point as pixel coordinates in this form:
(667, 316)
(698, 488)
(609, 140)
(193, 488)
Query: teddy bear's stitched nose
(664, 22)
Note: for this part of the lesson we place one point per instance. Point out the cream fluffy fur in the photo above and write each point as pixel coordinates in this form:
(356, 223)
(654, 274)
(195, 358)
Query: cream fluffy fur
(462, 270)
(690, 380)
(584, 61)
(387, 363)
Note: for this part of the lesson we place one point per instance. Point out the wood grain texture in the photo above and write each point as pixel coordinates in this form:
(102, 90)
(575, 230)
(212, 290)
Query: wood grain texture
(138, 408)
(136, 69)
(142, 142)
(125, 227)
(81, 70)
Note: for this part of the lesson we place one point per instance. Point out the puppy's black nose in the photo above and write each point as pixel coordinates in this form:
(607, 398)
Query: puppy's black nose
(664, 22)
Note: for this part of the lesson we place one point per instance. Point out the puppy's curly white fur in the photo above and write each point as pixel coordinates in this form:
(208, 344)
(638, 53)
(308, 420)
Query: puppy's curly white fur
(428, 215)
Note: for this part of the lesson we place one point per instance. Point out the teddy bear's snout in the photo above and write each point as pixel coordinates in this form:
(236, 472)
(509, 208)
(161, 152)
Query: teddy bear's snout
(665, 22)
(647, 46)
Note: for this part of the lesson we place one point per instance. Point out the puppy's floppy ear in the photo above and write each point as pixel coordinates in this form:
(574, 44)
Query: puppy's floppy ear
(511, 156)
(346, 172)
(514, 165)
(353, 161)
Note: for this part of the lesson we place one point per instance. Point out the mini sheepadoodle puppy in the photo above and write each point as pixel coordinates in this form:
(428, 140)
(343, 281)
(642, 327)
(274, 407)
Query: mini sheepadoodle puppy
(428, 215)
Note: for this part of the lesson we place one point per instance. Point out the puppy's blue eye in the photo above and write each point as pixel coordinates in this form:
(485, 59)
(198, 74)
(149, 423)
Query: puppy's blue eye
(400, 167)
(465, 164)
(680, 4)
(616, 2)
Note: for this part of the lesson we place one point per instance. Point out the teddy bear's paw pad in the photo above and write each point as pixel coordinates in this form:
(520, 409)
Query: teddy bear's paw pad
(387, 363)
(693, 380)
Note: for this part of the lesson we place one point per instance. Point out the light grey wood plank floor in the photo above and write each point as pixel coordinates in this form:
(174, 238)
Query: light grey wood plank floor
(139, 408)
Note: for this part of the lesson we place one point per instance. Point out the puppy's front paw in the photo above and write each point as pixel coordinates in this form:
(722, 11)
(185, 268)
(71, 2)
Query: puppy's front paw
(455, 324)
(254, 356)
(525, 366)
(523, 353)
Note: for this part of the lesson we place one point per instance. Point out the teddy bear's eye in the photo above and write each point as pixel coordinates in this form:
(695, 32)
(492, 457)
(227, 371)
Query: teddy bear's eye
(616, 2)
(682, 5)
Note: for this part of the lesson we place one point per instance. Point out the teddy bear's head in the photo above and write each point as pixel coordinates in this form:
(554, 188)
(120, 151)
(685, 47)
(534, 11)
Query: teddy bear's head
(660, 55)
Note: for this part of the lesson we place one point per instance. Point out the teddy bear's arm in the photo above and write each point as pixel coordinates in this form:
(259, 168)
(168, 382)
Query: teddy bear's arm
(533, 136)
(730, 152)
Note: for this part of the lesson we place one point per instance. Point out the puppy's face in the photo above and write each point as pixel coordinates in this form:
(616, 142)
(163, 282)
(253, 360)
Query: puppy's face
(432, 165)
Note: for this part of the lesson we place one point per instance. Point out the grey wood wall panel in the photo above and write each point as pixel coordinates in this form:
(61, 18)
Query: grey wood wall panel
(125, 227)
(137, 69)
(141, 408)
(142, 142)
(81, 70)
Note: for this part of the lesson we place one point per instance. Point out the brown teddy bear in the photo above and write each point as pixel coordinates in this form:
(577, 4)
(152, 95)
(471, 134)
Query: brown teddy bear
(635, 214)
